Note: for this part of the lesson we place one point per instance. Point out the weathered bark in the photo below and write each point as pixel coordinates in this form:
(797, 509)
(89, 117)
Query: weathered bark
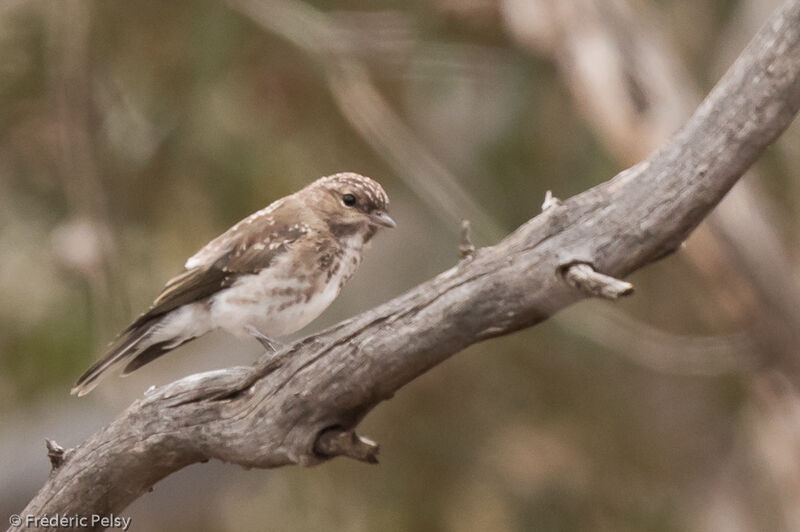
(301, 405)
(625, 80)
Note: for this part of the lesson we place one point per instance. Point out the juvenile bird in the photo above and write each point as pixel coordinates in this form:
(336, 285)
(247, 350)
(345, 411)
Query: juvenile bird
(267, 276)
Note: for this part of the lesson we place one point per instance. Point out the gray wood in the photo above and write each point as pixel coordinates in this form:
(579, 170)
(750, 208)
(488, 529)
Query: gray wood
(301, 405)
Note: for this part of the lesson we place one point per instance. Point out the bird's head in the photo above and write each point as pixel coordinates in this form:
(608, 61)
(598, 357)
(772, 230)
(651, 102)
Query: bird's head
(350, 203)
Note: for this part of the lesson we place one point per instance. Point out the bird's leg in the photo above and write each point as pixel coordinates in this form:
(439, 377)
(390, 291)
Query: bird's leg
(268, 343)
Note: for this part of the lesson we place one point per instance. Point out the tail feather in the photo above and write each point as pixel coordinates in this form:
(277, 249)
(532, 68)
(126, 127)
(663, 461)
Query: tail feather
(151, 353)
(126, 347)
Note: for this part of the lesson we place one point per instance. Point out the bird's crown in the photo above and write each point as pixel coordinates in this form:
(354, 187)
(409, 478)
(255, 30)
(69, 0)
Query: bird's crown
(365, 189)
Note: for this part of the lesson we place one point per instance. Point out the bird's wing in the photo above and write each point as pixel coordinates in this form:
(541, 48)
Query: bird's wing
(244, 253)
(262, 220)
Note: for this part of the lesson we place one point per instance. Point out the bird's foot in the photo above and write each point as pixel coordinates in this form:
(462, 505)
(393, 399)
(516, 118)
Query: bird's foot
(268, 343)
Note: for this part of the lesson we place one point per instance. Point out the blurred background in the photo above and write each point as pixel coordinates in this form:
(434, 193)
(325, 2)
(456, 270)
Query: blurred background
(131, 133)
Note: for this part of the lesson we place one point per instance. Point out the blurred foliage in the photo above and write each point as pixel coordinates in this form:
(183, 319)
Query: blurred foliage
(133, 132)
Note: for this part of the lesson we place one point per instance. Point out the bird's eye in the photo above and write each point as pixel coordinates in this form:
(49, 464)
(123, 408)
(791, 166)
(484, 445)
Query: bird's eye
(349, 200)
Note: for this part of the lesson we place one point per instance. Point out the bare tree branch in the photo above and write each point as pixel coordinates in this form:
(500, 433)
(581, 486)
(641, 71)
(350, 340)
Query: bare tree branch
(626, 81)
(301, 405)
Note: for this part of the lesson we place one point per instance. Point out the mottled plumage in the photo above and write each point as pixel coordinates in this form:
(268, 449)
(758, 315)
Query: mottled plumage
(267, 276)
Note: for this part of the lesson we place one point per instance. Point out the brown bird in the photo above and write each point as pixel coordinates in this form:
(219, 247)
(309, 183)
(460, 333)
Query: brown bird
(267, 276)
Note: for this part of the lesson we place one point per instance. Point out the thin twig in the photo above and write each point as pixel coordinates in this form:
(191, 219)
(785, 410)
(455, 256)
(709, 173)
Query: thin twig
(466, 249)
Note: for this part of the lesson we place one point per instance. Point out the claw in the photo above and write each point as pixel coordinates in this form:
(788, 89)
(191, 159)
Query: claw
(268, 343)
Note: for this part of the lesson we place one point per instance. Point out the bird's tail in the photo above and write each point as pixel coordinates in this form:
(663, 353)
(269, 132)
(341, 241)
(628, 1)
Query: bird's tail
(135, 348)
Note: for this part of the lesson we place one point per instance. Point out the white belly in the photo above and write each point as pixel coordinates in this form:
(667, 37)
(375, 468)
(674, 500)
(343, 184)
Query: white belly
(279, 300)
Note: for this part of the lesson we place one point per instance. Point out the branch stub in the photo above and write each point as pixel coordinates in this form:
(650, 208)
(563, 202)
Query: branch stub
(55, 453)
(339, 442)
(466, 249)
(585, 278)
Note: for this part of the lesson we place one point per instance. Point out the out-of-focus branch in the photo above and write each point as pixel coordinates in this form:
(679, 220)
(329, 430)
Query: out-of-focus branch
(627, 82)
(664, 352)
(775, 429)
(622, 78)
(308, 398)
(365, 108)
(83, 242)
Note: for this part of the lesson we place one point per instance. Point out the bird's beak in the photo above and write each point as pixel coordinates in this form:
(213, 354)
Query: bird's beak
(381, 218)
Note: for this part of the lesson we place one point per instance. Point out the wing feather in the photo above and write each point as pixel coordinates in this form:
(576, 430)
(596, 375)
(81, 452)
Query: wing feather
(246, 255)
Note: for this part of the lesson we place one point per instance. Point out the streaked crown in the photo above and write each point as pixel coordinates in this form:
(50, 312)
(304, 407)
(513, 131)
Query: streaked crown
(361, 186)
(348, 203)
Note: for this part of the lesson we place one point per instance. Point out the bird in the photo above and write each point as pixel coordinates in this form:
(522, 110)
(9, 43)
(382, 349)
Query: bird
(268, 276)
